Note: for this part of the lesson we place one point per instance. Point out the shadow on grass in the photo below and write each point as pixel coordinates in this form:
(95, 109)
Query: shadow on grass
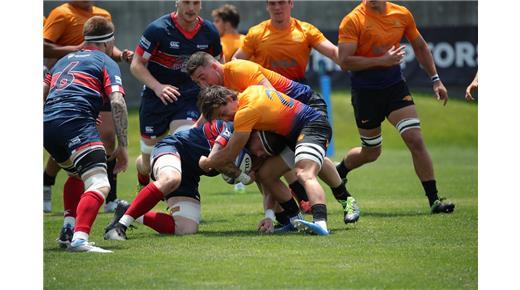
(393, 214)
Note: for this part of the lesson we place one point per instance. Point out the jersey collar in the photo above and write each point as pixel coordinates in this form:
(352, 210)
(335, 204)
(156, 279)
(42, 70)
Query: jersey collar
(187, 34)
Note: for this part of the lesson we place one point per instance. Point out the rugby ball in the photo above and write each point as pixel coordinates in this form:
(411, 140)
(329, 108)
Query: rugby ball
(244, 162)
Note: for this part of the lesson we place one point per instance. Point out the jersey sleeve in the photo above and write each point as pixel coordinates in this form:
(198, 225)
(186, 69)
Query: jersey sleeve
(348, 30)
(410, 31)
(55, 26)
(148, 42)
(246, 74)
(112, 78)
(314, 35)
(249, 44)
(47, 79)
(245, 119)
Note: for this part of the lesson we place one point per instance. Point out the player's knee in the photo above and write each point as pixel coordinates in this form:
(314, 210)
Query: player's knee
(186, 215)
(414, 140)
(96, 179)
(304, 175)
(371, 154)
(264, 174)
(142, 163)
(185, 227)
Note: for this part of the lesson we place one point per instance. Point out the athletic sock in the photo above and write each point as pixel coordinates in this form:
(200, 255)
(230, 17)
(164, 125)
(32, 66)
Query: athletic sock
(282, 217)
(342, 169)
(161, 222)
(299, 191)
(430, 187)
(48, 180)
(291, 208)
(340, 192)
(145, 200)
(319, 212)
(72, 191)
(88, 208)
(112, 179)
(143, 179)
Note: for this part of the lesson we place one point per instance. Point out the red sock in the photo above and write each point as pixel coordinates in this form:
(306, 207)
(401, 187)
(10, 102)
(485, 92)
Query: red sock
(143, 179)
(161, 222)
(72, 191)
(88, 208)
(145, 200)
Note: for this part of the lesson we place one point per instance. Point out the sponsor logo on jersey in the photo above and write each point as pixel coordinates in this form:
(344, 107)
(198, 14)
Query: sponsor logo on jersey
(148, 129)
(145, 42)
(202, 46)
(118, 80)
(74, 141)
(175, 44)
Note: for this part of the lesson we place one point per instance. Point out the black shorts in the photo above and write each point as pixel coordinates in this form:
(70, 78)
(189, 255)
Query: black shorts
(372, 106)
(316, 132)
(317, 102)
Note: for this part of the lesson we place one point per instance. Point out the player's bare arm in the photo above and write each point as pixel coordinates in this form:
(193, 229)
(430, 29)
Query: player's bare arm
(425, 58)
(167, 93)
(348, 61)
(125, 55)
(240, 54)
(329, 50)
(120, 118)
(52, 50)
(471, 87)
(227, 154)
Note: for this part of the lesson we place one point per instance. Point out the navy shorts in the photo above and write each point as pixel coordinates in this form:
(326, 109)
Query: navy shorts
(61, 137)
(191, 171)
(155, 117)
(372, 106)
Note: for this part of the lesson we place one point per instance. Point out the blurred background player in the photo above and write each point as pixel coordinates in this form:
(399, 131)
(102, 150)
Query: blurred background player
(472, 86)
(169, 96)
(226, 18)
(283, 44)
(379, 91)
(257, 108)
(75, 89)
(239, 74)
(62, 34)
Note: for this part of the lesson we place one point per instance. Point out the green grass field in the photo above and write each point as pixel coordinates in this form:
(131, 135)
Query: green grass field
(396, 243)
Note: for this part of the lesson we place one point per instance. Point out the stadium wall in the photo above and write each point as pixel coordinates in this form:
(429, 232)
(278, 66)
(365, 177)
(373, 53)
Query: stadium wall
(450, 27)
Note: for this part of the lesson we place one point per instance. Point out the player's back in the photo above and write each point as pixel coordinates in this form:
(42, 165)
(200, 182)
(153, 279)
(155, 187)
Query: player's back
(269, 110)
(239, 74)
(79, 84)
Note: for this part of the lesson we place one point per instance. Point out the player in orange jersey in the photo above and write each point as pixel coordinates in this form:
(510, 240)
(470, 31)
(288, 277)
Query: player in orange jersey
(238, 75)
(283, 43)
(369, 48)
(62, 34)
(306, 131)
(226, 19)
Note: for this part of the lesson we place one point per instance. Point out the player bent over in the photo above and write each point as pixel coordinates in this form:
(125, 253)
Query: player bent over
(177, 175)
(259, 108)
(76, 88)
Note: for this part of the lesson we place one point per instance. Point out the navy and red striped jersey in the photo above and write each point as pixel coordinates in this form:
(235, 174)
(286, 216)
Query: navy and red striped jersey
(79, 84)
(167, 47)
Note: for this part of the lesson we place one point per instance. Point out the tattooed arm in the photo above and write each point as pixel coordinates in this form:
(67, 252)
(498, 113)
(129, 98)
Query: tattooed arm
(120, 118)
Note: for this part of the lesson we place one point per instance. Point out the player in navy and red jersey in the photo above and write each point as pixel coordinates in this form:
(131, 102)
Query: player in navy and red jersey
(176, 171)
(75, 89)
(169, 96)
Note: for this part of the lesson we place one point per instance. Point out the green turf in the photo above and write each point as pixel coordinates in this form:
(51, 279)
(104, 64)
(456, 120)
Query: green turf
(396, 244)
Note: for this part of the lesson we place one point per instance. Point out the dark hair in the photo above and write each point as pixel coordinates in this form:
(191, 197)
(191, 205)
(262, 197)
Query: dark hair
(228, 13)
(213, 97)
(97, 25)
(196, 60)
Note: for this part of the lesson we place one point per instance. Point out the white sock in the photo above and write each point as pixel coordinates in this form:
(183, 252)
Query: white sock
(68, 220)
(80, 236)
(322, 223)
(126, 220)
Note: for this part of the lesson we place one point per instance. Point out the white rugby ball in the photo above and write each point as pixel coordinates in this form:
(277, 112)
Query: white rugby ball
(244, 162)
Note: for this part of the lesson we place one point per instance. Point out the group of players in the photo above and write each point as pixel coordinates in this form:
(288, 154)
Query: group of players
(198, 113)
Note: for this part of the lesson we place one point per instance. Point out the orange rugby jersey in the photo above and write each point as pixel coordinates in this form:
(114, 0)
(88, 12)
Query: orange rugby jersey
(240, 74)
(64, 25)
(283, 51)
(230, 44)
(374, 34)
(264, 109)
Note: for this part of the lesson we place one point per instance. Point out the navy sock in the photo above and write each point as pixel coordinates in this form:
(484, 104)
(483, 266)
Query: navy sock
(342, 169)
(430, 187)
(299, 191)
